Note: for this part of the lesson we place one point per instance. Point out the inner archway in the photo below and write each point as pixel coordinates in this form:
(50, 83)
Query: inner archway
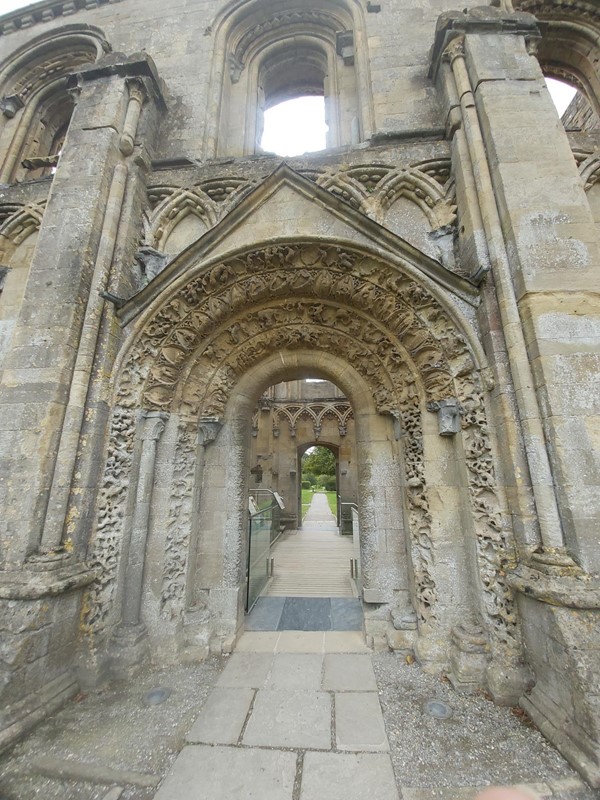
(302, 562)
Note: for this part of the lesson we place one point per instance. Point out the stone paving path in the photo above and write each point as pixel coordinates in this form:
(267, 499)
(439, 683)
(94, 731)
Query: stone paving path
(313, 561)
(294, 716)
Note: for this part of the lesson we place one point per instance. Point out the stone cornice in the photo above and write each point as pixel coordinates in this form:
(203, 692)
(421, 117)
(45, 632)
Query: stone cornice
(45, 11)
(482, 19)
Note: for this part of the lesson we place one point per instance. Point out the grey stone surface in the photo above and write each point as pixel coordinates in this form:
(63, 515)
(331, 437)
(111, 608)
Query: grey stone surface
(359, 722)
(207, 773)
(246, 670)
(295, 671)
(290, 718)
(348, 673)
(348, 777)
(265, 615)
(222, 716)
(306, 614)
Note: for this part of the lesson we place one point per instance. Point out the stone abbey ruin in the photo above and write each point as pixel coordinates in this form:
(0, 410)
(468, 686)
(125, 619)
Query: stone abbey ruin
(168, 287)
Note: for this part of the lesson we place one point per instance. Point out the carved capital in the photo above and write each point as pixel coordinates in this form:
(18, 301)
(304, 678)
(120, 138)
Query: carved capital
(208, 429)
(454, 49)
(137, 90)
(153, 425)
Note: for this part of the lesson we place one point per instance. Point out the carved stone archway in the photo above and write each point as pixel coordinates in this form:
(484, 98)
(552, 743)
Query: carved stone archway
(213, 332)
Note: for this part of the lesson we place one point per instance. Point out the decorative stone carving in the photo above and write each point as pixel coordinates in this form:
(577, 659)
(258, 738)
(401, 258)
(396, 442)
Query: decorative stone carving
(448, 412)
(151, 261)
(314, 411)
(9, 106)
(495, 551)
(109, 527)
(390, 328)
(180, 520)
(325, 272)
(419, 517)
(344, 45)
(368, 188)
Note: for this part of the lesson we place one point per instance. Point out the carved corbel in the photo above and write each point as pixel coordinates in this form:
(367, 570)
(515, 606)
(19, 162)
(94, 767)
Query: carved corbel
(208, 429)
(10, 105)
(151, 261)
(448, 412)
(345, 47)
(235, 68)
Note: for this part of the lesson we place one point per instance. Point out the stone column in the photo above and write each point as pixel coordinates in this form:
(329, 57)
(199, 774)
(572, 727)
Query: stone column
(130, 638)
(544, 257)
(46, 380)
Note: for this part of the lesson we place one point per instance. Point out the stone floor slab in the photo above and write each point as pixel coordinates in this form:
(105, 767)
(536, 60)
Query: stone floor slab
(300, 642)
(341, 776)
(535, 791)
(346, 614)
(222, 717)
(246, 670)
(348, 673)
(265, 615)
(344, 642)
(227, 773)
(283, 718)
(306, 614)
(296, 671)
(359, 722)
(257, 642)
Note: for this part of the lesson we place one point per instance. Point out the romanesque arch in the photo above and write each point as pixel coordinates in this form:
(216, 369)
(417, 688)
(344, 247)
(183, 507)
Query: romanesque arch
(201, 354)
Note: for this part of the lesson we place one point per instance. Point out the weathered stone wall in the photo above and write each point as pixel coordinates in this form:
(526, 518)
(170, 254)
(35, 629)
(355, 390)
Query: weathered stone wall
(439, 265)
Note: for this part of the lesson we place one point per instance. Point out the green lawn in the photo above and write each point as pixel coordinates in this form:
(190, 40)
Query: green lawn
(332, 500)
(307, 497)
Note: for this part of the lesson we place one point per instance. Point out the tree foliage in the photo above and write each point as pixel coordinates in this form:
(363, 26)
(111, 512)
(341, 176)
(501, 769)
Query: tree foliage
(319, 461)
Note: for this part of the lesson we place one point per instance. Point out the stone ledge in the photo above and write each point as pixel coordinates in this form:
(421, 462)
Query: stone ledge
(567, 592)
(29, 585)
(20, 717)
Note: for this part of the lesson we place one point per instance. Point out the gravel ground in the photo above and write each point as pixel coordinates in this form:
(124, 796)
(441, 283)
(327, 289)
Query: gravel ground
(480, 744)
(114, 729)
(111, 729)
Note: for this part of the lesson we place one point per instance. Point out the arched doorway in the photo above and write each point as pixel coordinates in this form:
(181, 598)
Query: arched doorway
(433, 538)
(302, 567)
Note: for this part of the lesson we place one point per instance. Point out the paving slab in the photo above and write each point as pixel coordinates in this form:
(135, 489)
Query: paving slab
(344, 642)
(296, 671)
(229, 773)
(341, 776)
(306, 614)
(359, 722)
(348, 673)
(284, 718)
(535, 791)
(265, 615)
(222, 717)
(346, 614)
(300, 642)
(246, 670)
(257, 642)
